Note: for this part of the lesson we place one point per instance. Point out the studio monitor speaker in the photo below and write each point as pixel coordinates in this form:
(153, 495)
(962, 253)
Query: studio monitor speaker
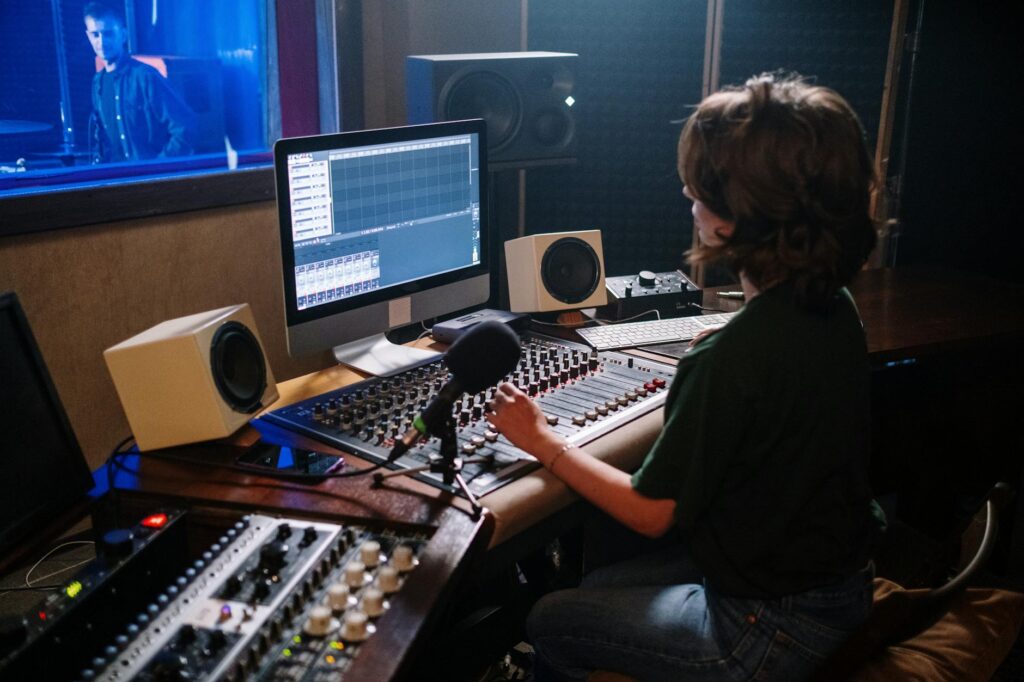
(525, 98)
(555, 271)
(193, 378)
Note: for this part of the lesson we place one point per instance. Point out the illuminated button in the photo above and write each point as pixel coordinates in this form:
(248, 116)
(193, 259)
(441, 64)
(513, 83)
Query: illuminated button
(155, 521)
(225, 613)
(402, 558)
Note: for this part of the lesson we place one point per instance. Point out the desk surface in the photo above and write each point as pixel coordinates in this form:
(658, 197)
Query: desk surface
(907, 314)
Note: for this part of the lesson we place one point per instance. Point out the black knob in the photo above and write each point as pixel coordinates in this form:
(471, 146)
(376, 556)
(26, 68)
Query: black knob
(284, 531)
(261, 590)
(232, 585)
(168, 666)
(118, 542)
(187, 635)
(217, 641)
(647, 278)
(308, 536)
(272, 555)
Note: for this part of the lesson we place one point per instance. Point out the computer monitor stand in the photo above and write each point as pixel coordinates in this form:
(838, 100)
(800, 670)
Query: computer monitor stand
(377, 356)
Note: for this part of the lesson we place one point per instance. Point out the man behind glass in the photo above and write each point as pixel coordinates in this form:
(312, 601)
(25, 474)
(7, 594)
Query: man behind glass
(135, 114)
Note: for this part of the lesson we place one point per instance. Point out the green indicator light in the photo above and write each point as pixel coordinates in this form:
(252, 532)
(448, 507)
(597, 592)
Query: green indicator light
(338, 646)
(286, 653)
(297, 639)
(73, 589)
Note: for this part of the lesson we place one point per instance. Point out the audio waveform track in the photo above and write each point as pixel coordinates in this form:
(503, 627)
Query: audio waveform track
(583, 395)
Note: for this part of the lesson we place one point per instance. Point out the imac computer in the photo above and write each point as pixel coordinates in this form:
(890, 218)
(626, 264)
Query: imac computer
(381, 229)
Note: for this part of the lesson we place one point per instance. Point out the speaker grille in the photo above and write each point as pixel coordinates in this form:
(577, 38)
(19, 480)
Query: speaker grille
(570, 270)
(238, 367)
(487, 95)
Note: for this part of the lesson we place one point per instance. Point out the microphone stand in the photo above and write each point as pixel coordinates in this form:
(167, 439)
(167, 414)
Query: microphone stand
(445, 463)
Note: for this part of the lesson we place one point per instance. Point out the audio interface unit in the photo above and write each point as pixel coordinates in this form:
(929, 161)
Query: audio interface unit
(670, 293)
(271, 599)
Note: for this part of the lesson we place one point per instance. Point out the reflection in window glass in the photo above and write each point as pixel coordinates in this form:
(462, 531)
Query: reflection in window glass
(96, 92)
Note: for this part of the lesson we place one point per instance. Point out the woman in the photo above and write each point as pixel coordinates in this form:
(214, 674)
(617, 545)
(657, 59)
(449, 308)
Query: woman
(761, 467)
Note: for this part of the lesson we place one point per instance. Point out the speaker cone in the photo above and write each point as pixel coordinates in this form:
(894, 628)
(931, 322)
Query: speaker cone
(486, 95)
(570, 270)
(238, 367)
(552, 127)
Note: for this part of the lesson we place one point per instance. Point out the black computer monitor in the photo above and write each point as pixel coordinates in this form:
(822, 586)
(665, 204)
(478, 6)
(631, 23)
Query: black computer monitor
(42, 470)
(381, 229)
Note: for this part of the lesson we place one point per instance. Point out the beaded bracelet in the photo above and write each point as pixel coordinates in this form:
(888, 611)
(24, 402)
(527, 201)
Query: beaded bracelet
(561, 451)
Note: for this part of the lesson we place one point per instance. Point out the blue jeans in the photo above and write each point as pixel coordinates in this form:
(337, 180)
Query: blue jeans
(654, 618)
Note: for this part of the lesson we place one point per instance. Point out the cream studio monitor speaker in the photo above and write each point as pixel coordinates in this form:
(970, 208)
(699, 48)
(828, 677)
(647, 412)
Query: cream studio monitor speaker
(193, 378)
(555, 271)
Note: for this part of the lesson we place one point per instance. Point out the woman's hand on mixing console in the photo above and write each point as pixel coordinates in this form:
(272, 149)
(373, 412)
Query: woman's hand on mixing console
(520, 420)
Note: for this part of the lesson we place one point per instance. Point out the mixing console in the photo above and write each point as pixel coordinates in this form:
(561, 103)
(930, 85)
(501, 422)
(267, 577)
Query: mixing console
(272, 599)
(583, 395)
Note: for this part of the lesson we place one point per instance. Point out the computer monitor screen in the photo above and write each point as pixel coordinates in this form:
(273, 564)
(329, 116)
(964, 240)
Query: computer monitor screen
(42, 470)
(381, 229)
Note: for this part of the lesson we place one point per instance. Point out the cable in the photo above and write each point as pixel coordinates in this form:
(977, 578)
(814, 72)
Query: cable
(600, 320)
(28, 583)
(706, 309)
(40, 588)
(234, 466)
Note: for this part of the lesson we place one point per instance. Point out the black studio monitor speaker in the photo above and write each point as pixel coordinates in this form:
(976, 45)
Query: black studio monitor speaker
(555, 271)
(192, 378)
(525, 98)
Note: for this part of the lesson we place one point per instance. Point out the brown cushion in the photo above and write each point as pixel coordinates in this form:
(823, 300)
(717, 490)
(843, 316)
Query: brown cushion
(968, 643)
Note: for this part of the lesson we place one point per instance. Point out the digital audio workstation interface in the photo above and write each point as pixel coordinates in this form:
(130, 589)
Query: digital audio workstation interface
(371, 217)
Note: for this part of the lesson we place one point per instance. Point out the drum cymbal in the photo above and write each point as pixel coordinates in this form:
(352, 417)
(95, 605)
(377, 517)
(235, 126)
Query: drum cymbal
(13, 127)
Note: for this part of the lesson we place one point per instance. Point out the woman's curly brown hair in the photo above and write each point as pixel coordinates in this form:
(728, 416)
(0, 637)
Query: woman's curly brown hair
(787, 163)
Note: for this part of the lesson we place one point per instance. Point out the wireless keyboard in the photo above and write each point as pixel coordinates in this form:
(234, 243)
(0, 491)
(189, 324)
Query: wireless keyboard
(648, 332)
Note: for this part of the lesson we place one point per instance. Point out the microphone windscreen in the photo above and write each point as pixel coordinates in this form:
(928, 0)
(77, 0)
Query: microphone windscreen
(483, 355)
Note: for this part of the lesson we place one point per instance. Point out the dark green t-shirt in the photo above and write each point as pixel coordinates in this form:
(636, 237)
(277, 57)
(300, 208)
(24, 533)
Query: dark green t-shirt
(765, 449)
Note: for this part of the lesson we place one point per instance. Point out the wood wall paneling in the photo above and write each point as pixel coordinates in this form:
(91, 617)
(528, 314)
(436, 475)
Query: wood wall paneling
(87, 289)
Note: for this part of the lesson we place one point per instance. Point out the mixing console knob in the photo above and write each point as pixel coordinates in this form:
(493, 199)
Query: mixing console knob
(320, 622)
(272, 555)
(369, 553)
(337, 596)
(308, 537)
(387, 579)
(355, 574)
(284, 531)
(402, 558)
(354, 628)
(261, 590)
(117, 543)
(373, 602)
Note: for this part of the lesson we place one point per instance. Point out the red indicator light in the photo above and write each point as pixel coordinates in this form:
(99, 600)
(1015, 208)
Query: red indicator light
(155, 521)
(42, 615)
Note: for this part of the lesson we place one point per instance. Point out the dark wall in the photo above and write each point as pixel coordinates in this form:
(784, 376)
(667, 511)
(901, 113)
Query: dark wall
(640, 69)
(960, 204)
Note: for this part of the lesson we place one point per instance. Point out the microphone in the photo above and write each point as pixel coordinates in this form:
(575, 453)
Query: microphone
(478, 359)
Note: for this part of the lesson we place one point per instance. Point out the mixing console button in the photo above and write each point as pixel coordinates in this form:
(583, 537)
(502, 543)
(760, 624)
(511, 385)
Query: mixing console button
(355, 627)
(355, 574)
(591, 415)
(373, 602)
(468, 449)
(369, 553)
(387, 579)
(402, 558)
(320, 622)
(579, 420)
(337, 597)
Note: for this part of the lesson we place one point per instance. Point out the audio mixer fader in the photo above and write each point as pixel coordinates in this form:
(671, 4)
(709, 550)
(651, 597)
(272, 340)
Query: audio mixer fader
(583, 394)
